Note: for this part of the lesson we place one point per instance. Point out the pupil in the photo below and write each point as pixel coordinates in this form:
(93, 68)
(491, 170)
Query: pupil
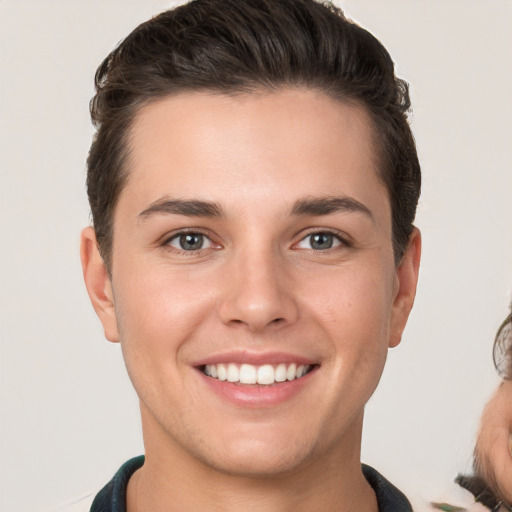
(321, 241)
(191, 241)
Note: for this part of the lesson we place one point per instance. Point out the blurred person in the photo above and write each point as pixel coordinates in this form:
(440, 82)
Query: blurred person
(490, 486)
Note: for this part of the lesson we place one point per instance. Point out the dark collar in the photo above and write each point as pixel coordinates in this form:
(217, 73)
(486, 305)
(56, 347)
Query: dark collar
(112, 498)
(389, 498)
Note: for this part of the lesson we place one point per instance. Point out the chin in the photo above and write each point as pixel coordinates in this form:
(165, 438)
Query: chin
(261, 454)
(259, 462)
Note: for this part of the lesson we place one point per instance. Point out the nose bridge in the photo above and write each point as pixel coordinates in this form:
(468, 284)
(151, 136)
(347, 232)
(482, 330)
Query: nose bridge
(258, 289)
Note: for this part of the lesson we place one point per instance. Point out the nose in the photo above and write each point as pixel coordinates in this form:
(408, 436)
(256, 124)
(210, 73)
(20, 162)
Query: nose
(259, 293)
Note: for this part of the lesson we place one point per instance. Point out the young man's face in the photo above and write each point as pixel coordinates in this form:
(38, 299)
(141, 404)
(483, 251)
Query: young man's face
(253, 236)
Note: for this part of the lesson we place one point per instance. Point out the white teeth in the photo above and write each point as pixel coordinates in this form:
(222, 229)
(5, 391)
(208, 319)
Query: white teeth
(247, 374)
(250, 374)
(280, 373)
(222, 373)
(233, 373)
(291, 373)
(266, 374)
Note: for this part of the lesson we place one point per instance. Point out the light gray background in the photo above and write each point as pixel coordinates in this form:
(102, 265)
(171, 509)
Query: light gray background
(69, 417)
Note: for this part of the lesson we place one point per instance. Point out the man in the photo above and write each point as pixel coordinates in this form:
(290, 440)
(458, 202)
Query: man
(253, 183)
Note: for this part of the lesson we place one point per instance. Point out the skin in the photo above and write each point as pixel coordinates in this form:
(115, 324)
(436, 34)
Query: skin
(494, 444)
(258, 286)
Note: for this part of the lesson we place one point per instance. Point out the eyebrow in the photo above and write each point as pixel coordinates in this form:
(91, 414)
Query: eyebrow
(189, 208)
(329, 205)
(302, 207)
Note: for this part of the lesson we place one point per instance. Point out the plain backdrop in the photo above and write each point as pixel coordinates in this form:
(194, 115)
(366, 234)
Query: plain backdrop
(68, 414)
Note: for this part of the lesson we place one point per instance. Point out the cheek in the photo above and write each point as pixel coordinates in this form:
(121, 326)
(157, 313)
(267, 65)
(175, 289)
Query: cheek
(354, 309)
(157, 312)
(352, 301)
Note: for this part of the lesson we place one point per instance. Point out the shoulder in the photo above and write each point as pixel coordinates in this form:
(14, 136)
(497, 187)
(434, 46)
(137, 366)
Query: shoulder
(453, 499)
(112, 498)
(389, 498)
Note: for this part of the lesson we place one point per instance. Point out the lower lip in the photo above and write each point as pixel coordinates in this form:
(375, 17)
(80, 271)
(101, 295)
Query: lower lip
(254, 396)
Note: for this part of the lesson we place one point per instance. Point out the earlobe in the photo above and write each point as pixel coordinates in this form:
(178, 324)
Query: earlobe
(98, 284)
(407, 280)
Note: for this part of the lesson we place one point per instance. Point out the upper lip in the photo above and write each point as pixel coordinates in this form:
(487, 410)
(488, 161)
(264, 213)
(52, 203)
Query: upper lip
(254, 358)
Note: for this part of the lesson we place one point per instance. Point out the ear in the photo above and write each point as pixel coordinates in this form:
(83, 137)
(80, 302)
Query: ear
(98, 284)
(407, 279)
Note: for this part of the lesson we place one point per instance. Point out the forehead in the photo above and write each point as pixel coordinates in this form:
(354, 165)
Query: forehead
(267, 147)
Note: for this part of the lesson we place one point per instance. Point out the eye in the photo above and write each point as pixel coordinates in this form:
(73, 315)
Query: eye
(320, 241)
(190, 241)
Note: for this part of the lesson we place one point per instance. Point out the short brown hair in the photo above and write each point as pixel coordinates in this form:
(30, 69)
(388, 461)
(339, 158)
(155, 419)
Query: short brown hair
(231, 46)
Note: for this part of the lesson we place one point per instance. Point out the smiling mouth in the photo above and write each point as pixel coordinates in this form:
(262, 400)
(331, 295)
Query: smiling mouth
(266, 374)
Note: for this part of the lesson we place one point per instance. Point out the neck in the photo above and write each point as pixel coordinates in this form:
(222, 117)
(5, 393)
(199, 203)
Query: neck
(173, 480)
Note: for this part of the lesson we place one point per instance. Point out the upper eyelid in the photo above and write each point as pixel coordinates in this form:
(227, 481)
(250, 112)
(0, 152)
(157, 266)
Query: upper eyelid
(176, 238)
(167, 239)
(185, 231)
(343, 237)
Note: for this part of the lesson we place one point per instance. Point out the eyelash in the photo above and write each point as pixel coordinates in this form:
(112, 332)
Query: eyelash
(338, 241)
(343, 241)
(183, 233)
